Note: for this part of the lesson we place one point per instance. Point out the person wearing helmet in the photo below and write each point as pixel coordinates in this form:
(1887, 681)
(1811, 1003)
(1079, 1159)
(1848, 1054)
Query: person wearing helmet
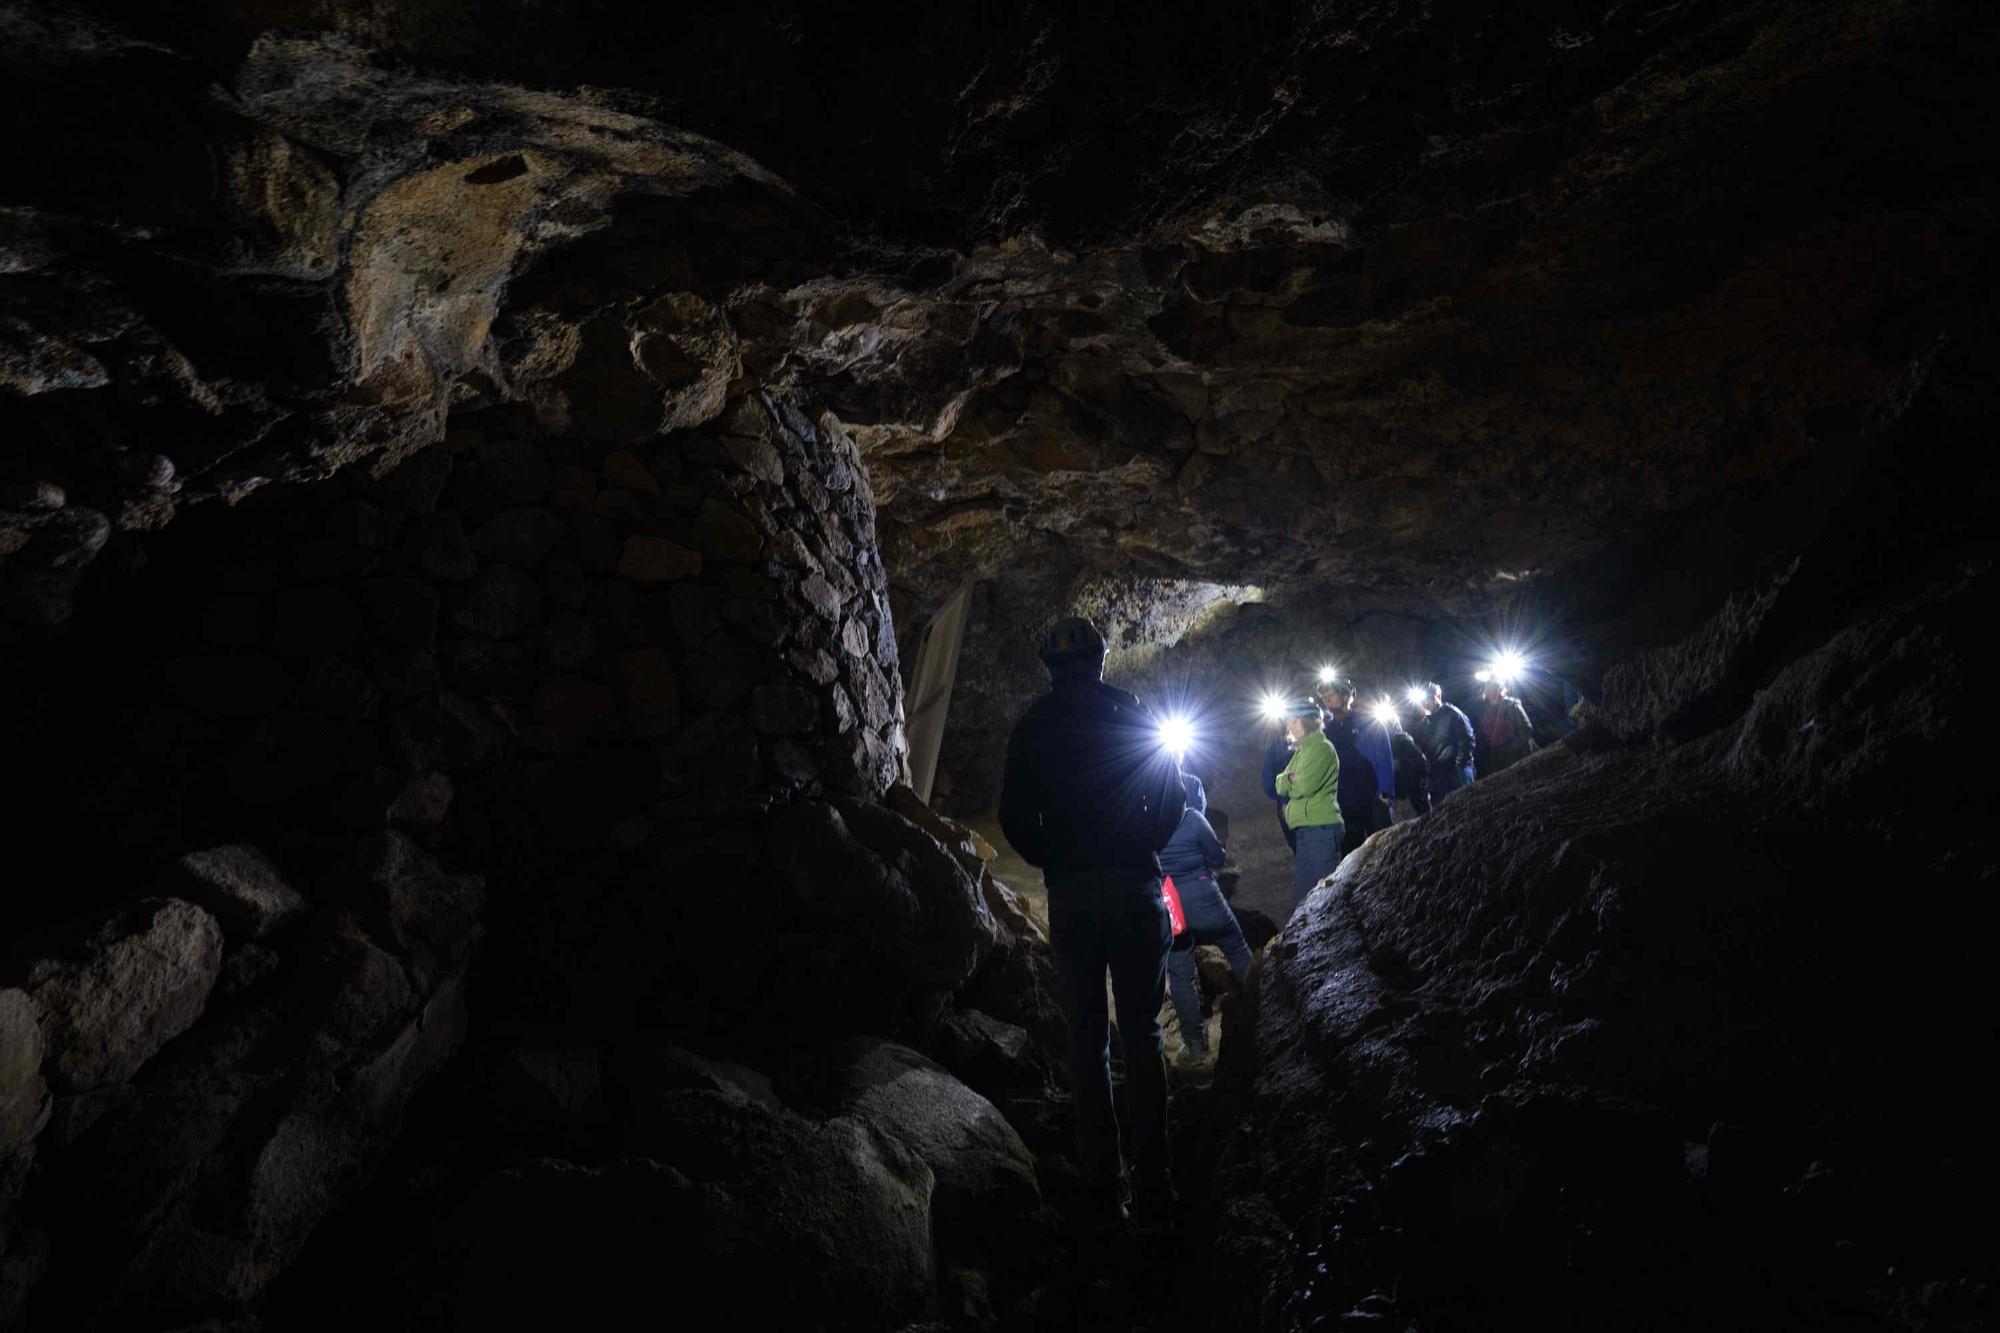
(1505, 735)
(1090, 795)
(1310, 785)
(1445, 735)
(1192, 858)
(1367, 773)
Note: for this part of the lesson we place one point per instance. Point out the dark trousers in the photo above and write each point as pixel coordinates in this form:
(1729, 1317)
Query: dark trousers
(1291, 834)
(1209, 921)
(1116, 921)
(1318, 856)
(1445, 781)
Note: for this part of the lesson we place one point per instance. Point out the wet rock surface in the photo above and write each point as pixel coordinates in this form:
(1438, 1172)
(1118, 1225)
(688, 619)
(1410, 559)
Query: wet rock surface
(1677, 1013)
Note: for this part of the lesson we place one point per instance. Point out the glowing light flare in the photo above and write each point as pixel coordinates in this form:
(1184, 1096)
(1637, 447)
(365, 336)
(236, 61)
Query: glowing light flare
(1327, 675)
(1177, 735)
(1416, 695)
(1482, 676)
(1509, 666)
(1384, 712)
(1272, 707)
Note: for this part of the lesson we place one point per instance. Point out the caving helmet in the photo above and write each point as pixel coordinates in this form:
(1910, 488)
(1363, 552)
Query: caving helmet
(1073, 646)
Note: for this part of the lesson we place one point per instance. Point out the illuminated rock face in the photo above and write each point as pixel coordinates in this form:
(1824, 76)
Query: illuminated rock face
(467, 485)
(1671, 1007)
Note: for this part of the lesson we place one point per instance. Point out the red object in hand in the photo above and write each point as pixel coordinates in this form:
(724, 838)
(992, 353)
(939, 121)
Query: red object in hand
(1173, 897)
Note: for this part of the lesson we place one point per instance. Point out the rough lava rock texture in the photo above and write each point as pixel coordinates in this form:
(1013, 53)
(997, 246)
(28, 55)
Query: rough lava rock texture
(135, 984)
(1296, 291)
(468, 477)
(1678, 1007)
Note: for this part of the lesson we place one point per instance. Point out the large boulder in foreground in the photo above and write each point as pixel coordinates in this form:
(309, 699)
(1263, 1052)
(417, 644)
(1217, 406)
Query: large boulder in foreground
(1643, 1034)
(724, 1203)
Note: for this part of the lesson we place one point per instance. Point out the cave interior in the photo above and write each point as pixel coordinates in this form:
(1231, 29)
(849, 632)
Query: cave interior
(479, 486)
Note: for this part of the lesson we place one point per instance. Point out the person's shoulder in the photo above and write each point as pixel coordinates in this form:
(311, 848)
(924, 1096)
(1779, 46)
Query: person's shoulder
(1038, 713)
(1121, 698)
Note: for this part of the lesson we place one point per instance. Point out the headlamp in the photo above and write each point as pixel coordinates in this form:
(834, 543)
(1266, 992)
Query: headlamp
(1384, 712)
(1176, 734)
(1326, 675)
(1417, 695)
(1272, 706)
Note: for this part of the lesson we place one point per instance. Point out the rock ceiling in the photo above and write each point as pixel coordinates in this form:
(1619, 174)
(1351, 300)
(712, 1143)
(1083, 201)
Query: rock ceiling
(1411, 301)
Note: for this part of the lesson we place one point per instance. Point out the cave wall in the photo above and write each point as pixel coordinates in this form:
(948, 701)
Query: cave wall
(587, 675)
(438, 582)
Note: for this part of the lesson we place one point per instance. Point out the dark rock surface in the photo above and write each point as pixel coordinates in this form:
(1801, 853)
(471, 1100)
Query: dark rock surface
(1681, 1013)
(471, 480)
(133, 985)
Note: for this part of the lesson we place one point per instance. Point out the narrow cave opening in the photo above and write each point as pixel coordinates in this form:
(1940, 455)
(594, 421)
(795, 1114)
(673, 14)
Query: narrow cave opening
(524, 541)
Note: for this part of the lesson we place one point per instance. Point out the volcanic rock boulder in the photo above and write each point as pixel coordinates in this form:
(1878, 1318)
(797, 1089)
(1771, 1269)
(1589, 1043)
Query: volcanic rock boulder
(725, 1202)
(1647, 1034)
(138, 982)
(913, 926)
(24, 1095)
(242, 888)
(985, 1176)
(190, 1182)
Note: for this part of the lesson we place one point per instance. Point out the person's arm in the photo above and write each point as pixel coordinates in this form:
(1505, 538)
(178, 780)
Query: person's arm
(1213, 854)
(1022, 800)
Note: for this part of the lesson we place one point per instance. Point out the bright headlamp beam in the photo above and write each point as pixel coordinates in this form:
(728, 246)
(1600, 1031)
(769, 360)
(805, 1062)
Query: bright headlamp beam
(1177, 734)
(1326, 675)
(1272, 707)
(1416, 695)
(1384, 712)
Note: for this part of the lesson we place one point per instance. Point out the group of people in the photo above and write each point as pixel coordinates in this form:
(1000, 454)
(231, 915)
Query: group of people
(1094, 800)
(1336, 775)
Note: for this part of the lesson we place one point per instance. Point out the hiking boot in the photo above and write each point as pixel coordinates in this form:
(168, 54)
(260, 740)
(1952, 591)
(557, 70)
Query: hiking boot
(1191, 1059)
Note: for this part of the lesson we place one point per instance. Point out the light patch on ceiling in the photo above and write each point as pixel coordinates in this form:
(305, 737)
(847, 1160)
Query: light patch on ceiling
(1142, 617)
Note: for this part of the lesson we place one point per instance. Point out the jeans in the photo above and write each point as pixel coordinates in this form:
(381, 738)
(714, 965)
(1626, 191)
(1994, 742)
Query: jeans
(1209, 921)
(1116, 920)
(1318, 856)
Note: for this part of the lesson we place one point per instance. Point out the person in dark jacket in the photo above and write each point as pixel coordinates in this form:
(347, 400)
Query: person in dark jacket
(1276, 755)
(1506, 737)
(1445, 735)
(1090, 795)
(1371, 742)
(1192, 857)
(1413, 779)
(1359, 787)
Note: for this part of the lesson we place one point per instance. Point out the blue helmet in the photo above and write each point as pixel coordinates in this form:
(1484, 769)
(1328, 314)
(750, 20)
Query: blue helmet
(1073, 645)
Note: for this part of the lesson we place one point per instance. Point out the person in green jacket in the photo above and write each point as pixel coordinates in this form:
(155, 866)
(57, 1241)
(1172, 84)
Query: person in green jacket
(1310, 785)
